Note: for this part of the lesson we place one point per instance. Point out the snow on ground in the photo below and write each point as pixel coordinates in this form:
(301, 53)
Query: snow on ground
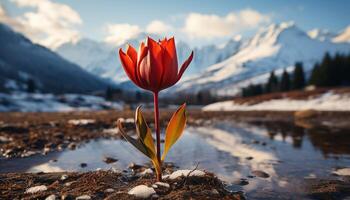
(342, 172)
(326, 102)
(36, 189)
(24, 102)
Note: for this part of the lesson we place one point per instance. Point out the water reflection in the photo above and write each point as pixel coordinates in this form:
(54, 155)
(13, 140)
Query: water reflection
(289, 153)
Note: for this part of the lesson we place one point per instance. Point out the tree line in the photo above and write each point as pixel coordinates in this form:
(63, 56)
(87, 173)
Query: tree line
(332, 71)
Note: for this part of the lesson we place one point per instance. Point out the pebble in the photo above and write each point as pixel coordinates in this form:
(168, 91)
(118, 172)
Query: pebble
(146, 172)
(51, 197)
(162, 184)
(82, 165)
(36, 189)
(109, 190)
(142, 191)
(109, 160)
(260, 174)
(64, 177)
(83, 197)
(72, 146)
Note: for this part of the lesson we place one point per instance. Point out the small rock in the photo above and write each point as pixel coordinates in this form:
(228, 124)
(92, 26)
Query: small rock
(155, 186)
(36, 189)
(109, 160)
(142, 191)
(64, 177)
(83, 165)
(249, 158)
(83, 197)
(342, 172)
(260, 174)
(241, 182)
(109, 190)
(51, 197)
(69, 183)
(162, 184)
(53, 160)
(72, 146)
(214, 191)
(146, 172)
(134, 166)
(185, 172)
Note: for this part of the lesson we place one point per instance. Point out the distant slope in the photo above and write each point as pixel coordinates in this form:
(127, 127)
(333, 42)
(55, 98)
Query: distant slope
(277, 47)
(20, 59)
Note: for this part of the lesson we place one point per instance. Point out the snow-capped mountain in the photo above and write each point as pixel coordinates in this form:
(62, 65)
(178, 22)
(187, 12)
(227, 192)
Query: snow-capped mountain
(274, 48)
(21, 60)
(343, 36)
(321, 34)
(103, 60)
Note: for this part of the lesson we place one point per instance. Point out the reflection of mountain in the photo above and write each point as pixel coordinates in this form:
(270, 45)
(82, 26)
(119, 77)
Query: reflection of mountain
(329, 141)
(20, 60)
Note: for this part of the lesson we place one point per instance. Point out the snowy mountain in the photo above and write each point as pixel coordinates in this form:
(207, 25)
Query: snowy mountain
(21, 60)
(274, 48)
(343, 36)
(321, 34)
(103, 60)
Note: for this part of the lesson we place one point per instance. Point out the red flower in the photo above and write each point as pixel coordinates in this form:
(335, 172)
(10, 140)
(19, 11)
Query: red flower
(155, 66)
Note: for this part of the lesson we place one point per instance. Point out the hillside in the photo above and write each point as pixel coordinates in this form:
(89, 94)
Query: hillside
(21, 60)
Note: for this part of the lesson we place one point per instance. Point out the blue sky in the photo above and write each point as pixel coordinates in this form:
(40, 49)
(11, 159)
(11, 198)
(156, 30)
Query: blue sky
(198, 21)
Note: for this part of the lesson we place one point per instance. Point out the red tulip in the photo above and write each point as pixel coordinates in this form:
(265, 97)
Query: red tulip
(155, 66)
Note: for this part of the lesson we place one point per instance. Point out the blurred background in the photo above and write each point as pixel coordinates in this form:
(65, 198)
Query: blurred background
(61, 55)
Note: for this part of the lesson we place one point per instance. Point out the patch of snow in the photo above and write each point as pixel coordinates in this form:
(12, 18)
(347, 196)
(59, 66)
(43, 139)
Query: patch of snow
(325, 102)
(142, 191)
(24, 102)
(342, 172)
(36, 189)
(81, 121)
(185, 172)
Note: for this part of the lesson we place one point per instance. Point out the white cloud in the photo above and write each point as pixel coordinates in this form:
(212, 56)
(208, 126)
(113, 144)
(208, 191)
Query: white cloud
(211, 26)
(158, 27)
(50, 24)
(118, 34)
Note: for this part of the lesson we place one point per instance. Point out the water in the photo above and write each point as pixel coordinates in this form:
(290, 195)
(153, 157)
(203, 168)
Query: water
(289, 154)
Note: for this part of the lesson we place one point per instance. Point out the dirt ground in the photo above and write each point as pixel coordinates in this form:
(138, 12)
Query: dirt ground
(109, 185)
(26, 134)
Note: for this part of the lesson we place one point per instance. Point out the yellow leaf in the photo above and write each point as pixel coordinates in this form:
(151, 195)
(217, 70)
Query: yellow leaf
(145, 135)
(175, 128)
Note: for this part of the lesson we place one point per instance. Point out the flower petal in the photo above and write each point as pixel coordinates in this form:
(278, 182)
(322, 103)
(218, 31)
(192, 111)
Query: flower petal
(154, 68)
(184, 66)
(129, 67)
(131, 52)
(170, 64)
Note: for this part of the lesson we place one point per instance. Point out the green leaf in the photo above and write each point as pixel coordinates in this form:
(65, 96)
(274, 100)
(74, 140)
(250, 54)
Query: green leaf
(135, 142)
(175, 129)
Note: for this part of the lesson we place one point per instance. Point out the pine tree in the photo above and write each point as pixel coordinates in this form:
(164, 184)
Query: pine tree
(315, 77)
(109, 93)
(31, 86)
(298, 76)
(272, 83)
(285, 82)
